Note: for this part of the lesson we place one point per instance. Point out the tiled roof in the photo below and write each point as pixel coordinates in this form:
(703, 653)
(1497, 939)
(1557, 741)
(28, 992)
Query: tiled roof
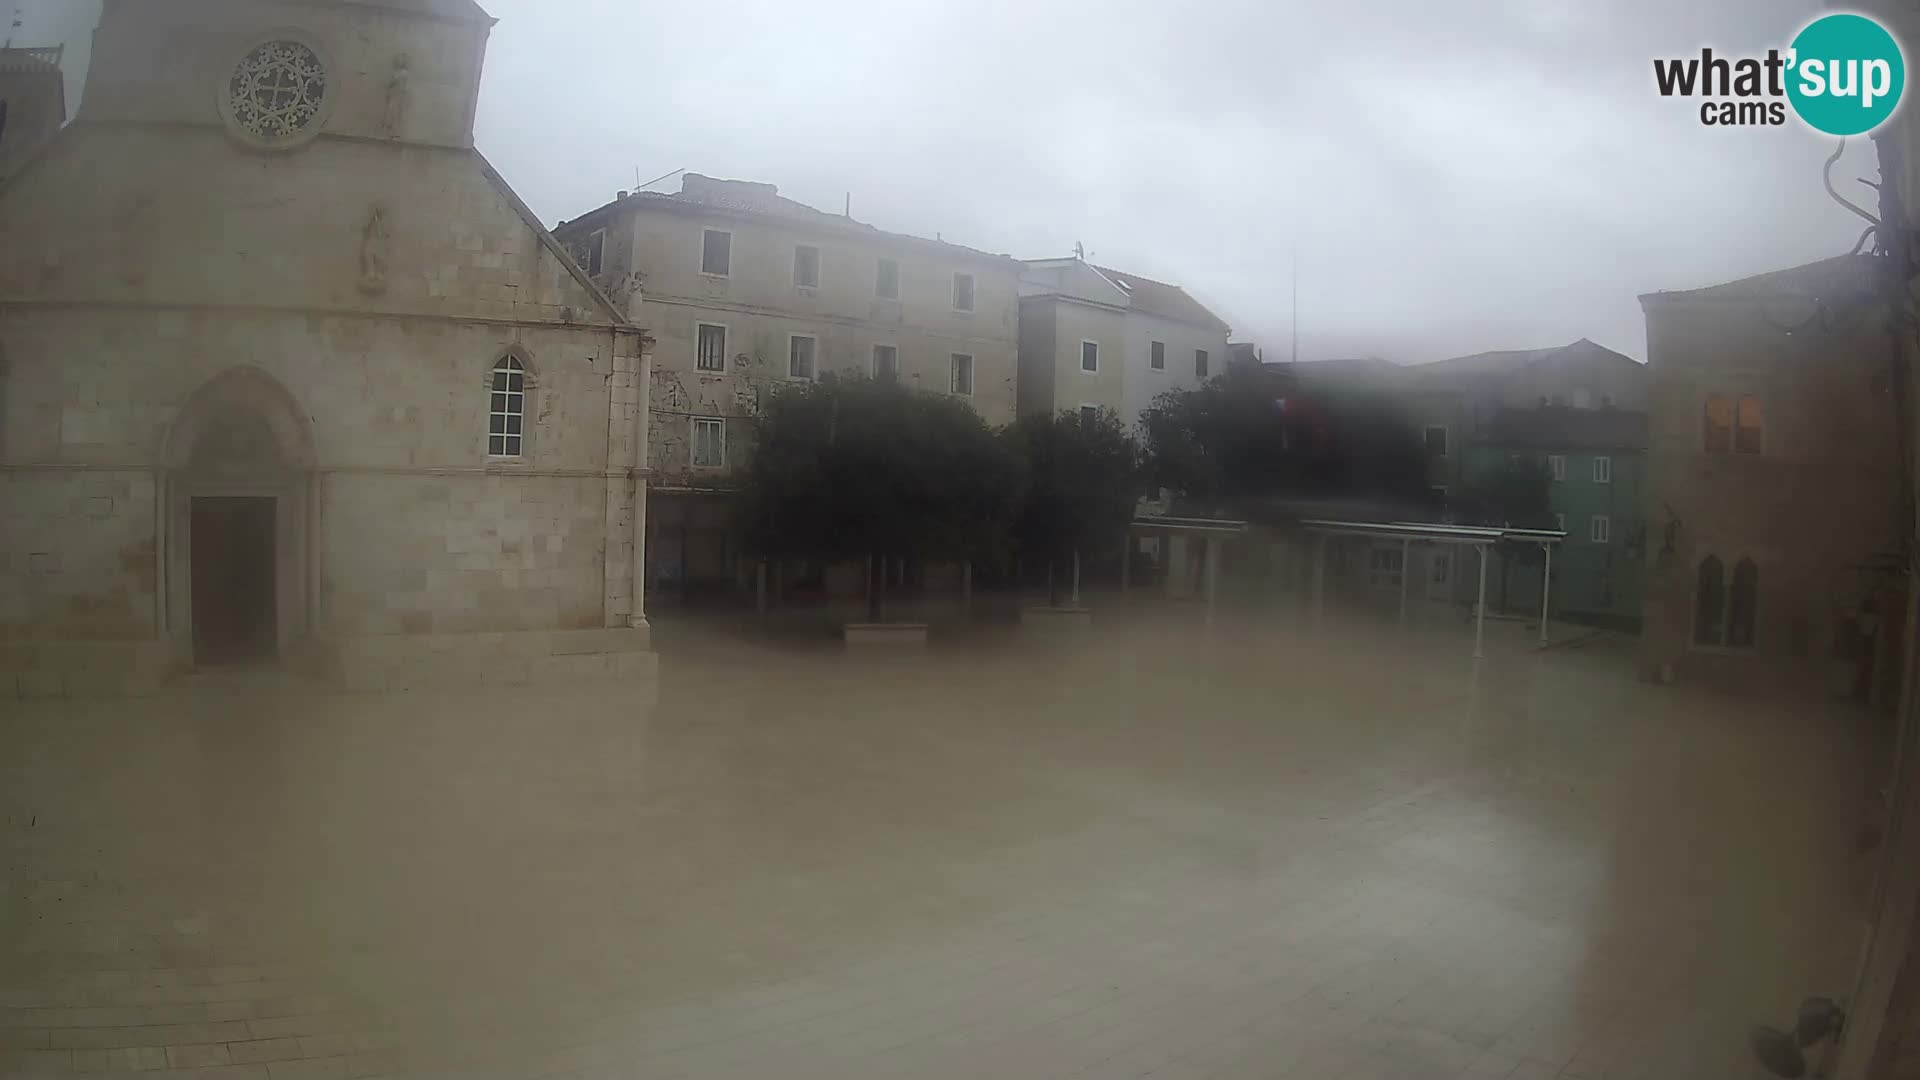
(1553, 427)
(763, 201)
(1344, 368)
(1498, 362)
(1159, 298)
(1840, 274)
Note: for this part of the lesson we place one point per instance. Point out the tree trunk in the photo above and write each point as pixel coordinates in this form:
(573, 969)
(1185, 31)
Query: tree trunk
(873, 593)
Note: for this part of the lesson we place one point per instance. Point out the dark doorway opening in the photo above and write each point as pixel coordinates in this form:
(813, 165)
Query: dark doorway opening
(232, 540)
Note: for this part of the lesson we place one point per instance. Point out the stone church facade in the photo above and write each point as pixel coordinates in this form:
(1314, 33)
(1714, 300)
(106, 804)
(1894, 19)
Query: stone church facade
(288, 373)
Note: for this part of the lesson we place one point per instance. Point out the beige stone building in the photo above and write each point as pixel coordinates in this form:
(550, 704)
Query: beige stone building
(748, 291)
(288, 371)
(1774, 521)
(33, 102)
(1094, 337)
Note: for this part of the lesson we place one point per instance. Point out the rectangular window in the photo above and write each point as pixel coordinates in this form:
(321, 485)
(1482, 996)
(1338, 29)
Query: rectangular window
(1601, 529)
(1200, 363)
(590, 253)
(800, 356)
(710, 348)
(1436, 435)
(1157, 355)
(1442, 566)
(1089, 356)
(806, 266)
(1557, 465)
(709, 442)
(886, 280)
(1089, 414)
(1383, 567)
(886, 362)
(961, 374)
(1719, 424)
(1603, 470)
(962, 292)
(716, 253)
(1747, 425)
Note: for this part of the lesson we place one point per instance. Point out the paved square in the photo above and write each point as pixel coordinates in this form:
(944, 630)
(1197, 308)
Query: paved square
(1275, 856)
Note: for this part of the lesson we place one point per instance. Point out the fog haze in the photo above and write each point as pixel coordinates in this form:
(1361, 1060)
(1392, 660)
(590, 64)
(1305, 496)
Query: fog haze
(1449, 178)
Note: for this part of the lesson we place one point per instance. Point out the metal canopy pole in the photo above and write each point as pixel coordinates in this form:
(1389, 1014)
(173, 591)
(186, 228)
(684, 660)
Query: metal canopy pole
(1319, 576)
(1546, 589)
(1213, 578)
(1126, 565)
(1406, 564)
(1480, 608)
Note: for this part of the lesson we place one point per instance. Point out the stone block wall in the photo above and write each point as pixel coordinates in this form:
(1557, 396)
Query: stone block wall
(184, 217)
(448, 554)
(360, 287)
(164, 63)
(78, 560)
(1813, 509)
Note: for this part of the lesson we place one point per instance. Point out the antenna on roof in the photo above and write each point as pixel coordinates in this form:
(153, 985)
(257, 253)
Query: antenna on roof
(848, 212)
(15, 28)
(1296, 307)
(655, 180)
(1080, 251)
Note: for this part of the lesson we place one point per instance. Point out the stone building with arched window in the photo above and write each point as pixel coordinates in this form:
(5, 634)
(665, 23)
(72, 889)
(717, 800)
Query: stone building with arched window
(1774, 484)
(288, 372)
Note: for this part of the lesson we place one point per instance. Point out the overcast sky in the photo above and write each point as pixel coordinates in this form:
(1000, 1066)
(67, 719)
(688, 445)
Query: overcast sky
(1452, 177)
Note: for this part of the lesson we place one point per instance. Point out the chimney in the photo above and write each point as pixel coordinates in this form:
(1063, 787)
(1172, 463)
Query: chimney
(619, 195)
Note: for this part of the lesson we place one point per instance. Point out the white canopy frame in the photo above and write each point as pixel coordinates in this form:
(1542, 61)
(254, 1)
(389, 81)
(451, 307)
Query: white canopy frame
(1407, 532)
(1211, 532)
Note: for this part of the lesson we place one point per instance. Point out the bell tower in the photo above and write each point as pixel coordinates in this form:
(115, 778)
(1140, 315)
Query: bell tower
(33, 102)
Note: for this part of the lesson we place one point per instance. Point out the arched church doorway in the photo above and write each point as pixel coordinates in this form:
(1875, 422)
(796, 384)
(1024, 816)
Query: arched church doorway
(239, 466)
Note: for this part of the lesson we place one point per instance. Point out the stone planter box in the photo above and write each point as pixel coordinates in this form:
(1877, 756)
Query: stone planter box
(1058, 619)
(886, 633)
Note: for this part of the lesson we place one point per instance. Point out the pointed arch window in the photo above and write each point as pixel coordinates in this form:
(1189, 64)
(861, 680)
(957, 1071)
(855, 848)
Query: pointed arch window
(1743, 602)
(1726, 605)
(1710, 602)
(507, 408)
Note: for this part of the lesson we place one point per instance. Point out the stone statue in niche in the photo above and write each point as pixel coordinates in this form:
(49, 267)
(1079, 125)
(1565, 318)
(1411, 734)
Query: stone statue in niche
(376, 244)
(399, 94)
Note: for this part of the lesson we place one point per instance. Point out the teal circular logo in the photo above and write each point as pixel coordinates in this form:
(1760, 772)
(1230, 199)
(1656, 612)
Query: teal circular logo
(1846, 74)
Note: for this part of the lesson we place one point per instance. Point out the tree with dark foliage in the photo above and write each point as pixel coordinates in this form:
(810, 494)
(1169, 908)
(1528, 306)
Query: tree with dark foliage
(850, 468)
(1253, 434)
(1514, 494)
(1082, 481)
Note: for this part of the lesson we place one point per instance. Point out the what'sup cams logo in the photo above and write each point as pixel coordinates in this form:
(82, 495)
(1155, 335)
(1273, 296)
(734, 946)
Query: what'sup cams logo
(1843, 75)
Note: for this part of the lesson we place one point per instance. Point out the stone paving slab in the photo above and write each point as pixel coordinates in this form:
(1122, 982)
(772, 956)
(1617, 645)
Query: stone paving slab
(1292, 857)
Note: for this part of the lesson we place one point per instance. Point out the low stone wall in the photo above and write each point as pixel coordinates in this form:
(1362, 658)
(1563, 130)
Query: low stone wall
(1062, 619)
(51, 670)
(108, 669)
(911, 634)
(443, 661)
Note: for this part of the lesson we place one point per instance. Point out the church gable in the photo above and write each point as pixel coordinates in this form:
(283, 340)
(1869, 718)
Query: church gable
(289, 154)
(277, 72)
(186, 219)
